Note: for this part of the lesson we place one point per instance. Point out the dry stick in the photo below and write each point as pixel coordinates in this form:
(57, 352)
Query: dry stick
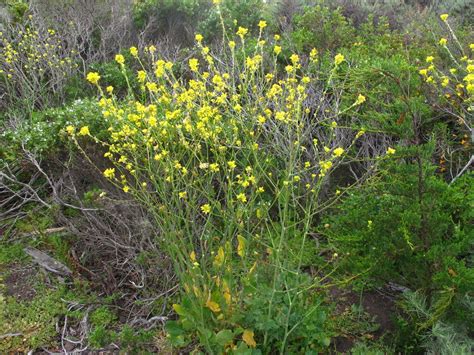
(463, 169)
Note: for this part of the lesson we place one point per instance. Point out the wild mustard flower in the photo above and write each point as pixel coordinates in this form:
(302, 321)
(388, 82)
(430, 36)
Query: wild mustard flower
(231, 164)
(295, 59)
(93, 78)
(198, 38)
(443, 42)
(277, 50)
(391, 151)
(70, 130)
(444, 17)
(429, 59)
(423, 72)
(241, 32)
(242, 198)
(214, 167)
(109, 173)
(445, 81)
(231, 45)
(338, 152)
(206, 208)
(338, 59)
(194, 64)
(360, 99)
(120, 59)
(262, 24)
(84, 131)
(134, 51)
(182, 195)
(109, 89)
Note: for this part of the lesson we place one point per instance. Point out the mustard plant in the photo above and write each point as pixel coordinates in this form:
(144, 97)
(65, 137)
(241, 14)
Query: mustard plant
(35, 66)
(227, 162)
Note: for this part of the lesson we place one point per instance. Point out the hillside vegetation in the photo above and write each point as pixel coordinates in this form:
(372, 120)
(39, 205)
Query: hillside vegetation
(236, 177)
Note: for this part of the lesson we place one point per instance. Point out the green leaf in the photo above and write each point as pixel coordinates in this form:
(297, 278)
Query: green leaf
(224, 337)
(173, 328)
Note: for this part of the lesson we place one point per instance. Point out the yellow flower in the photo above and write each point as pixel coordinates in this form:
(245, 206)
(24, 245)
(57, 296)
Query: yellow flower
(109, 173)
(338, 59)
(231, 164)
(445, 81)
(248, 338)
(134, 51)
(295, 58)
(109, 89)
(70, 130)
(423, 72)
(276, 37)
(338, 152)
(242, 198)
(443, 41)
(93, 77)
(194, 64)
(206, 209)
(214, 167)
(199, 38)
(471, 46)
(141, 75)
(390, 151)
(126, 189)
(182, 195)
(120, 59)
(242, 31)
(360, 99)
(313, 54)
(444, 17)
(277, 50)
(216, 2)
(429, 59)
(84, 131)
(262, 24)
(231, 44)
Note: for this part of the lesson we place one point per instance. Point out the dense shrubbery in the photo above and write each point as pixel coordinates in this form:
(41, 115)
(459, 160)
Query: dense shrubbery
(261, 175)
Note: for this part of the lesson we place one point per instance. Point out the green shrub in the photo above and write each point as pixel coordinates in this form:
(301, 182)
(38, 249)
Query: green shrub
(323, 28)
(410, 227)
(43, 134)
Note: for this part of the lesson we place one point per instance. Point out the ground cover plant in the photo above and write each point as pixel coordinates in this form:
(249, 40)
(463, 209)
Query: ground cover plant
(283, 177)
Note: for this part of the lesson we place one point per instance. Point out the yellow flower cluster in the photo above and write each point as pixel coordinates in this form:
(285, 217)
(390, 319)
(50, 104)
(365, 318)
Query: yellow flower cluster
(30, 53)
